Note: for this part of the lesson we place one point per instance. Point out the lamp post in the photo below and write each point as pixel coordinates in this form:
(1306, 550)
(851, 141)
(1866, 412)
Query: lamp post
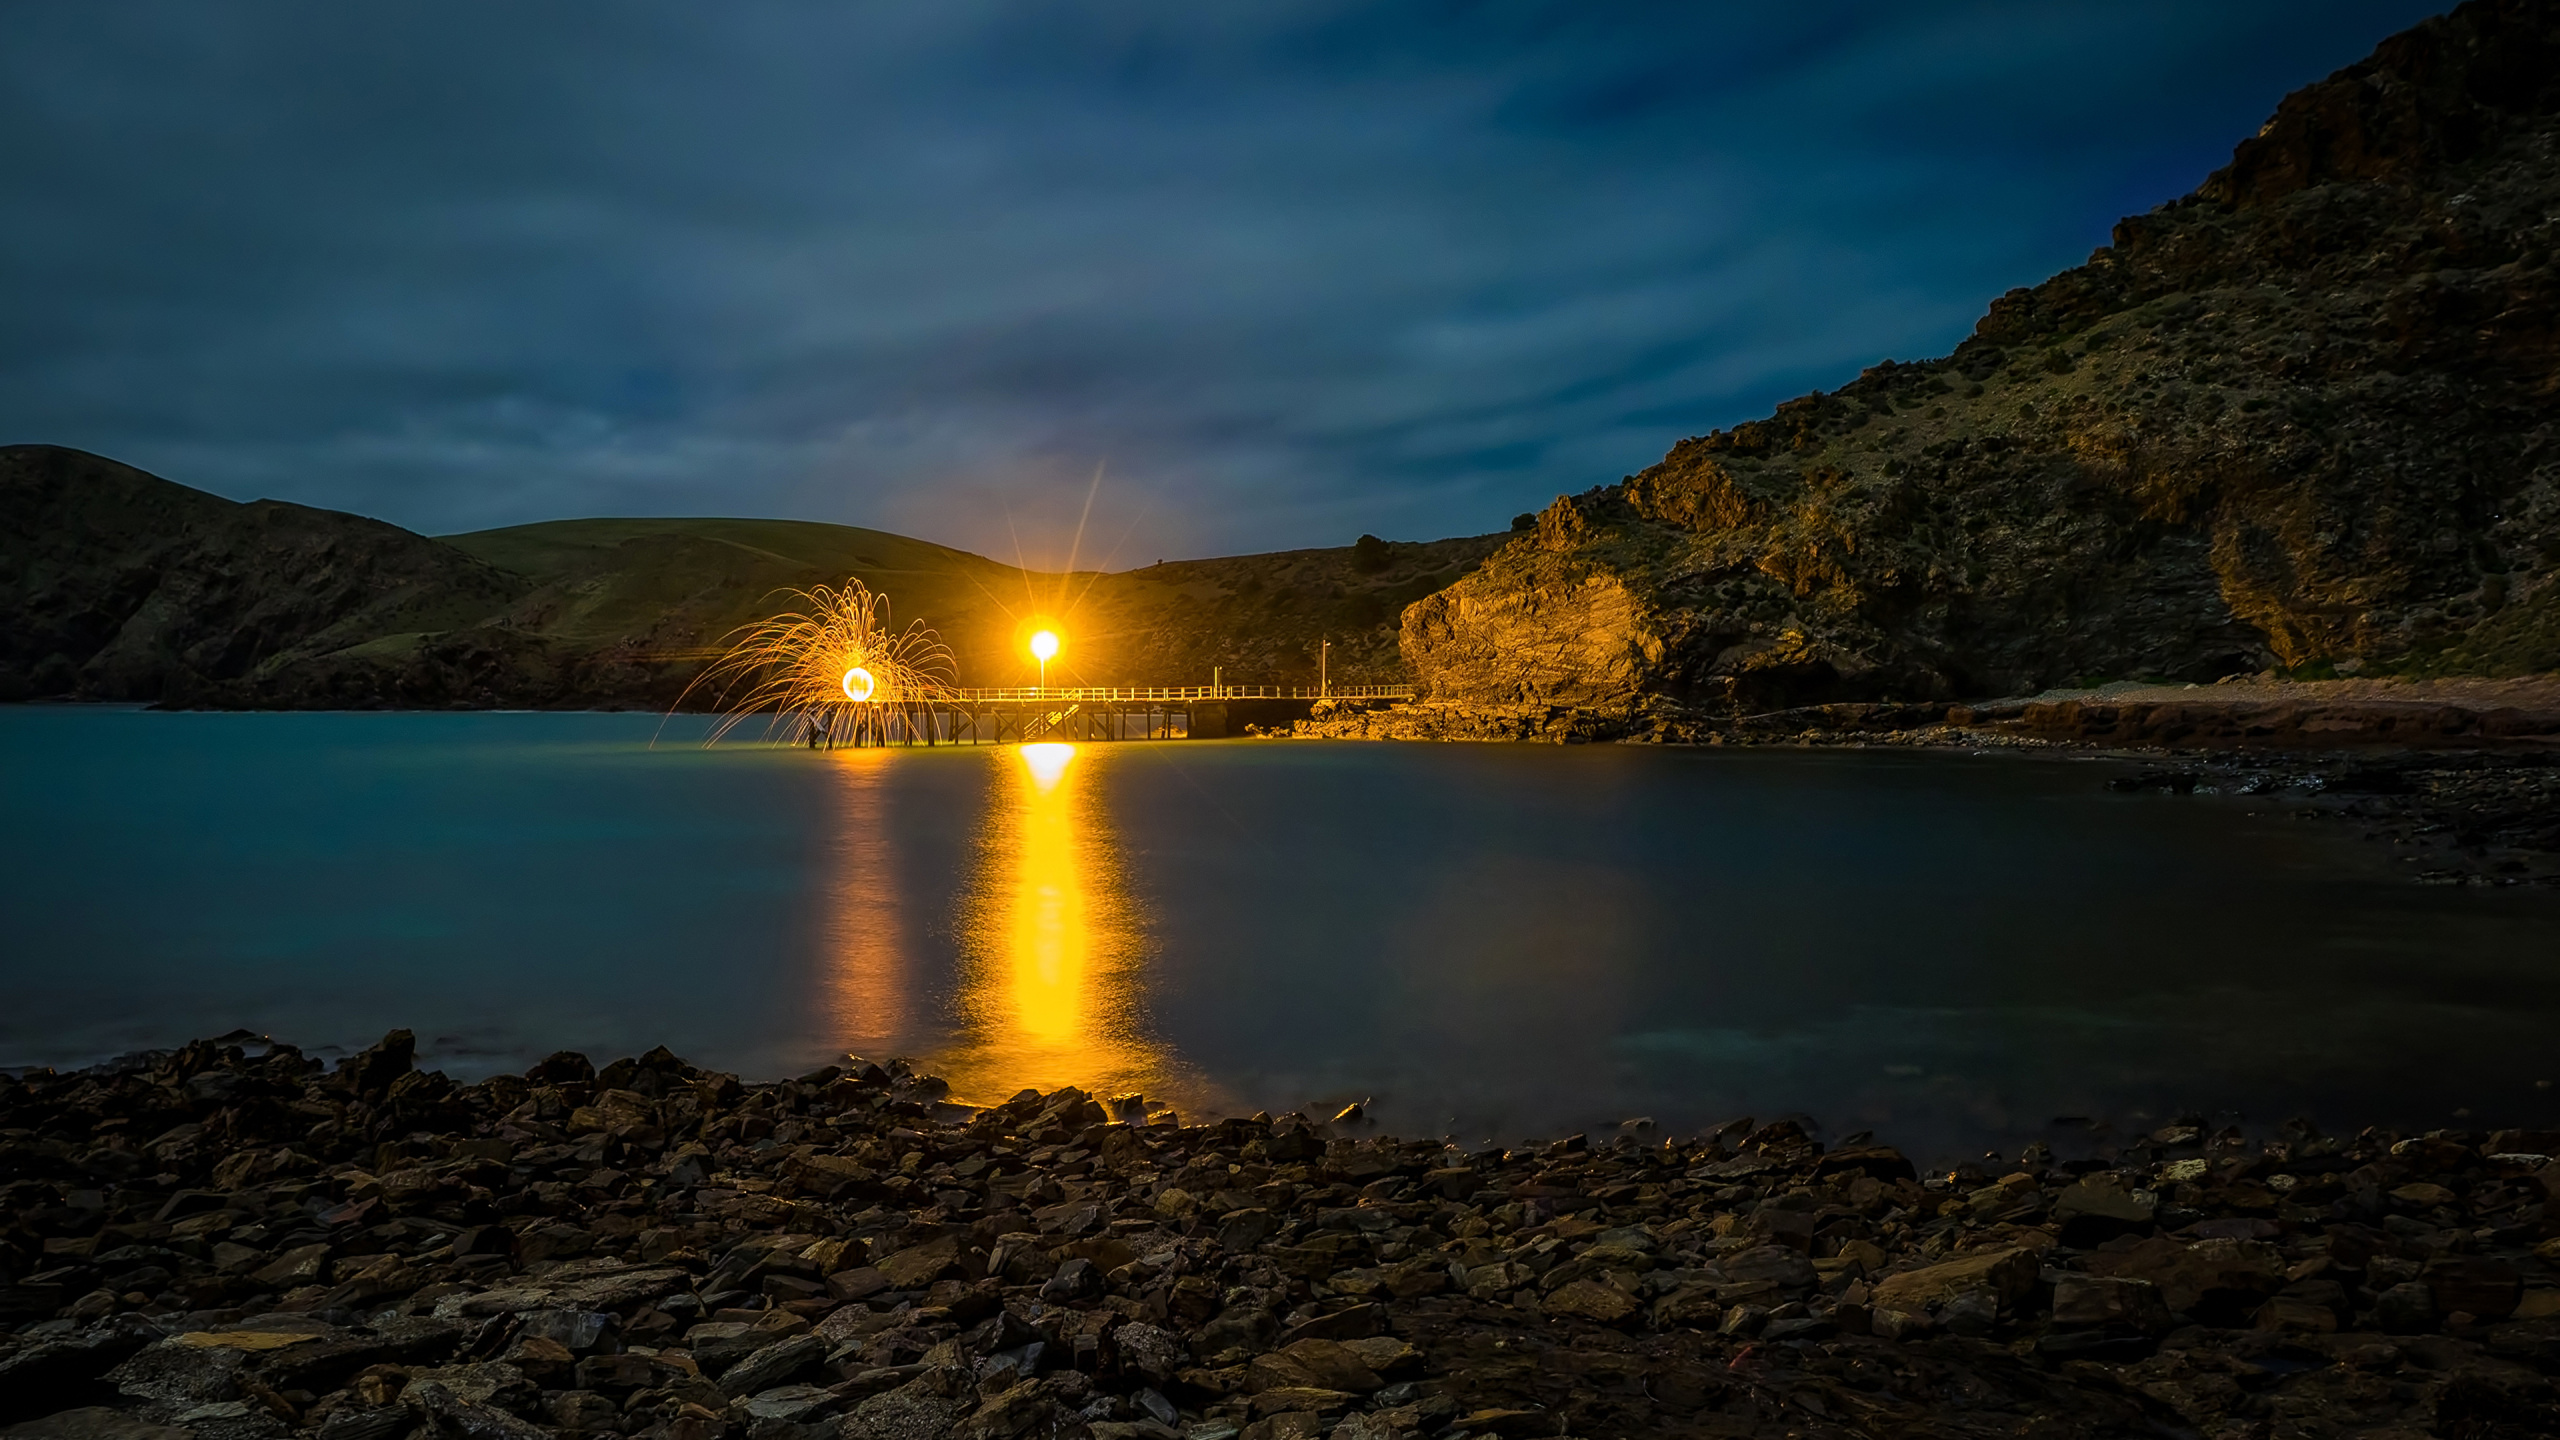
(1324, 684)
(1044, 647)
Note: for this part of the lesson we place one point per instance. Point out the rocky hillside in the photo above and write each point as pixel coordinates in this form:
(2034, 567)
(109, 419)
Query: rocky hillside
(1260, 618)
(2306, 418)
(118, 585)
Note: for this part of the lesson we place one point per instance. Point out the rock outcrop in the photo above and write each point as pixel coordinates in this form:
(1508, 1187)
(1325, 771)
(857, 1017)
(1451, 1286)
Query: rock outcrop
(2307, 418)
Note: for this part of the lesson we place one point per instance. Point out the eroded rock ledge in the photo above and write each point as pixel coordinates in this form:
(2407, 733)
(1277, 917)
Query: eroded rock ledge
(232, 1242)
(2461, 777)
(2257, 713)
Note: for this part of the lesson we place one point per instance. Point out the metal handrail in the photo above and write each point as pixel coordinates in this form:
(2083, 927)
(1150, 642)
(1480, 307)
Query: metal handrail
(1072, 693)
(1178, 692)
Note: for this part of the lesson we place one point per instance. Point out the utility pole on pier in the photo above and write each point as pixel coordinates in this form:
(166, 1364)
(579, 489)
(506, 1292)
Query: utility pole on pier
(1324, 686)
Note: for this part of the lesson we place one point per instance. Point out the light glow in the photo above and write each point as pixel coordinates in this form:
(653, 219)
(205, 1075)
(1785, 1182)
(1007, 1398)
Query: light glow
(1044, 645)
(1053, 944)
(1051, 990)
(1047, 761)
(872, 988)
(828, 667)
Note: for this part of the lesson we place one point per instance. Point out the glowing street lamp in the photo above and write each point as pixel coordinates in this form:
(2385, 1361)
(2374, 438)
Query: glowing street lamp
(1044, 648)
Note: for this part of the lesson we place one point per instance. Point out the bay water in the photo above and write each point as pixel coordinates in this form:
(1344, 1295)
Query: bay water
(1959, 952)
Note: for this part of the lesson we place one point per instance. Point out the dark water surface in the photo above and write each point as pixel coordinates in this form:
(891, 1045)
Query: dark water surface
(1488, 941)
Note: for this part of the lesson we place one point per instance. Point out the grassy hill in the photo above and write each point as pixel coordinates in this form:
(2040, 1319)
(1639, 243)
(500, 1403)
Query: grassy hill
(116, 584)
(678, 584)
(671, 585)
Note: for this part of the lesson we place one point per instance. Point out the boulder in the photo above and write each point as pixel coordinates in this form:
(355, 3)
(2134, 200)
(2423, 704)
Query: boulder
(1778, 1265)
(1149, 1350)
(775, 1364)
(2222, 1278)
(2484, 1288)
(2007, 1276)
(176, 1373)
(1311, 1365)
(1590, 1300)
(2098, 1208)
(491, 1383)
(918, 1266)
(463, 1418)
(924, 1408)
(2095, 1300)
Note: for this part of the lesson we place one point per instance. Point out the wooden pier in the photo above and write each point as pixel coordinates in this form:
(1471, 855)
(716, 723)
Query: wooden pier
(1020, 714)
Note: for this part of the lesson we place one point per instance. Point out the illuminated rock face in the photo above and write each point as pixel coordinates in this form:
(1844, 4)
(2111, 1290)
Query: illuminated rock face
(2301, 418)
(1548, 630)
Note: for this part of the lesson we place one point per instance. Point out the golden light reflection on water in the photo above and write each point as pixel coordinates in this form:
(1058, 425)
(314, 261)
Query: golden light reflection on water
(1048, 942)
(1052, 945)
(868, 993)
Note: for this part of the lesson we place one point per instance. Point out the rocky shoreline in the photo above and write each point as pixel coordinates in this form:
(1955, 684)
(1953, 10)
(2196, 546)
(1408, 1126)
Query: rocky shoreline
(2460, 778)
(2238, 713)
(235, 1242)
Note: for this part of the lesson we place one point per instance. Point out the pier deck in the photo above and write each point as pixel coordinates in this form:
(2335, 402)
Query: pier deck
(1014, 714)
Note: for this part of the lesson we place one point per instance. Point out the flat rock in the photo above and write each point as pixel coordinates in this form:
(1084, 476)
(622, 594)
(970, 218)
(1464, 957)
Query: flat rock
(94, 1422)
(924, 1408)
(1590, 1300)
(2188, 1273)
(2008, 1275)
(248, 1339)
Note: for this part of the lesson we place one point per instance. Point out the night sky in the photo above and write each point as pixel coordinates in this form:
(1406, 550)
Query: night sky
(1281, 273)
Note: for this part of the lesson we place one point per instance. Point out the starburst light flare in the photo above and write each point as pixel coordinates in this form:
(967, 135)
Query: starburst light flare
(1044, 648)
(832, 663)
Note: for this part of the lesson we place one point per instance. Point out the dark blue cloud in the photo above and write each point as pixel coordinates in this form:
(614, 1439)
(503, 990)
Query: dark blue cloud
(1286, 272)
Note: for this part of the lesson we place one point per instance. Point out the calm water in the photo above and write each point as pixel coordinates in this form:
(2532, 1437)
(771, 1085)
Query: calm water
(1487, 941)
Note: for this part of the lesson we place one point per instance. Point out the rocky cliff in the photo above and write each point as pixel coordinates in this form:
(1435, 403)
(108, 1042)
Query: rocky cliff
(2306, 418)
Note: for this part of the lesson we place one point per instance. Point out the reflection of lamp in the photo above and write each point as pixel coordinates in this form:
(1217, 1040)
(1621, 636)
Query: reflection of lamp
(1044, 648)
(1057, 1004)
(871, 986)
(1048, 762)
(1053, 976)
(858, 684)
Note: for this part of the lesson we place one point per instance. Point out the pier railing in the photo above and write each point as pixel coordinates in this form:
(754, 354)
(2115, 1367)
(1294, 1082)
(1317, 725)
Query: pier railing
(1084, 693)
(1072, 694)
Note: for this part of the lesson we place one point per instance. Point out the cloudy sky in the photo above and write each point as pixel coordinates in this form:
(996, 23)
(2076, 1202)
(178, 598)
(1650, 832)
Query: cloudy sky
(1276, 273)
